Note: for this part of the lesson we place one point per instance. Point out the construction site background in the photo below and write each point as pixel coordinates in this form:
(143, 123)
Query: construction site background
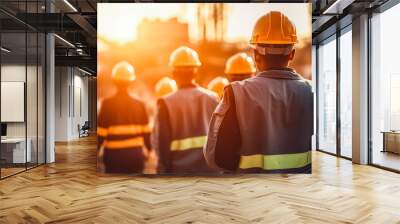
(157, 39)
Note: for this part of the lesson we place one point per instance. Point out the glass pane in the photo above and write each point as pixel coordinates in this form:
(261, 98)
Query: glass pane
(327, 96)
(32, 96)
(314, 84)
(22, 89)
(41, 98)
(346, 94)
(386, 89)
(13, 86)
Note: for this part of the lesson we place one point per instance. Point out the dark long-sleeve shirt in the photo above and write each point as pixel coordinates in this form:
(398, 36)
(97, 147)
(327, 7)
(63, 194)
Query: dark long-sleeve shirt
(227, 149)
(121, 109)
(123, 125)
(163, 137)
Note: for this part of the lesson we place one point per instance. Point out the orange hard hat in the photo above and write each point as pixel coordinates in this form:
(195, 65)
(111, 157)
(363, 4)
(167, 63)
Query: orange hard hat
(165, 86)
(184, 57)
(240, 63)
(217, 85)
(123, 72)
(274, 28)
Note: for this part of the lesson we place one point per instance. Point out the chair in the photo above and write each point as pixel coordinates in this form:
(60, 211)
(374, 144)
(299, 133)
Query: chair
(84, 130)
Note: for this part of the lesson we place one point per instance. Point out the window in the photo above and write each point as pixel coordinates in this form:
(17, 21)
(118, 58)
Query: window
(385, 89)
(22, 92)
(327, 96)
(314, 85)
(346, 93)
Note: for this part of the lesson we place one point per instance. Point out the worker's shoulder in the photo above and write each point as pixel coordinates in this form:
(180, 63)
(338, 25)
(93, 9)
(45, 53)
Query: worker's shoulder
(171, 96)
(197, 91)
(125, 100)
(137, 100)
(108, 101)
(301, 80)
(305, 83)
(207, 93)
(244, 82)
(270, 84)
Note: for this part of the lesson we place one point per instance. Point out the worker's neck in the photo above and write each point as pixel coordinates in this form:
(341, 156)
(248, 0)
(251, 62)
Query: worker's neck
(182, 85)
(123, 91)
(275, 67)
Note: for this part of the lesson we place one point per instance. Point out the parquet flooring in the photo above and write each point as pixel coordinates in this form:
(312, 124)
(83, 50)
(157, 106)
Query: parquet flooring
(10, 171)
(71, 191)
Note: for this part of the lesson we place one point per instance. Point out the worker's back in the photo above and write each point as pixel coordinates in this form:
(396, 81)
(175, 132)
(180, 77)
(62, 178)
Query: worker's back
(190, 111)
(123, 131)
(275, 116)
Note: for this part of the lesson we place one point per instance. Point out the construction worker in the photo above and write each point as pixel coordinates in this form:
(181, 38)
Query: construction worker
(217, 85)
(183, 117)
(239, 67)
(265, 123)
(123, 129)
(165, 86)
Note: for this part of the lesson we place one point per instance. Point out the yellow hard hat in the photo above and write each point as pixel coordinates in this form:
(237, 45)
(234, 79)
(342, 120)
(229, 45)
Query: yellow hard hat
(274, 28)
(217, 85)
(123, 72)
(184, 57)
(240, 63)
(165, 86)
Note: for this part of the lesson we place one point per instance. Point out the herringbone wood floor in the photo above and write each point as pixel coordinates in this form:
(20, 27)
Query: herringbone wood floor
(70, 191)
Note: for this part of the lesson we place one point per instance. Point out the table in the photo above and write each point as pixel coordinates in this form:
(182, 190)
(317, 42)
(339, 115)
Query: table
(13, 150)
(391, 141)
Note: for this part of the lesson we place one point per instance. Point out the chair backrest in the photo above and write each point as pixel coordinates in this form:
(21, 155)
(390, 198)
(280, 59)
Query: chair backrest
(86, 125)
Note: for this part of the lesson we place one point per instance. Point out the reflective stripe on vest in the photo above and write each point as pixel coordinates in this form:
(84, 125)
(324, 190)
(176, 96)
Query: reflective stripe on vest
(123, 130)
(276, 162)
(101, 131)
(123, 144)
(188, 143)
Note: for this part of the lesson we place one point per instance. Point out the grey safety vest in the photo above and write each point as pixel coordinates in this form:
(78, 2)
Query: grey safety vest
(275, 116)
(190, 111)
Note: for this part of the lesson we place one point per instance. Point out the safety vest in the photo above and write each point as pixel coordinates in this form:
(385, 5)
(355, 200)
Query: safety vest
(123, 136)
(122, 124)
(190, 111)
(275, 116)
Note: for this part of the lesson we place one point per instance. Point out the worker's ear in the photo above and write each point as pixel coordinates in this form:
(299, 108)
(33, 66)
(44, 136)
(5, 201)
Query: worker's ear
(257, 58)
(291, 55)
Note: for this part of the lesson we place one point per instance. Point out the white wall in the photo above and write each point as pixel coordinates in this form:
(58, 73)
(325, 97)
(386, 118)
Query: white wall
(61, 103)
(71, 94)
(80, 110)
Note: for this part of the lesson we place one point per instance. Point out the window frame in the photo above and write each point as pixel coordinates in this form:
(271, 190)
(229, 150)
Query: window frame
(379, 10)
(334, 37)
